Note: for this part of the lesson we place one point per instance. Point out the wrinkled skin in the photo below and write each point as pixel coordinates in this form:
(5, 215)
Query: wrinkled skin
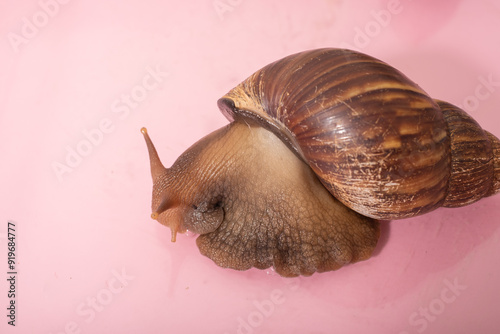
(256, 204)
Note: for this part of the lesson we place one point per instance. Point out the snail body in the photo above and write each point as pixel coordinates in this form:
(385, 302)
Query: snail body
(320, 145)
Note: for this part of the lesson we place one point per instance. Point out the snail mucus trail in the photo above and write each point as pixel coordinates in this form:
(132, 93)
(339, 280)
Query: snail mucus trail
(320, 146)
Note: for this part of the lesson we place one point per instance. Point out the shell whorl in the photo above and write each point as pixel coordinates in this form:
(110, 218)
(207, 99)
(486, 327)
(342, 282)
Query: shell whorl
(475, 158)
(374, 138)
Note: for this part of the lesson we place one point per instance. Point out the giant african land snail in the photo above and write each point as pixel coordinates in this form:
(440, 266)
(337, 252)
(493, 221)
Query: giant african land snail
(256, 189)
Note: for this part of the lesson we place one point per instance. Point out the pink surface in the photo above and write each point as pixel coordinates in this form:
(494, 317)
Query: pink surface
(85, 76)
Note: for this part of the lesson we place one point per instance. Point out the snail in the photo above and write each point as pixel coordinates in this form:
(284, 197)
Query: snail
(321, 146)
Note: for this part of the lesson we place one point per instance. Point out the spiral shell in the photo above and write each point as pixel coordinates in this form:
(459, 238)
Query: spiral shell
(374, 138)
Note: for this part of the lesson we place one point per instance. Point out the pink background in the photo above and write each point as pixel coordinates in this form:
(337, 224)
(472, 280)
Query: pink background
(86, 235)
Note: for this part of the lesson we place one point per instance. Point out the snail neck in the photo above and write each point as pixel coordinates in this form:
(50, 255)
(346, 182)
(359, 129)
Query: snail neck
(225, 159)
(192, 193)
(233, 167)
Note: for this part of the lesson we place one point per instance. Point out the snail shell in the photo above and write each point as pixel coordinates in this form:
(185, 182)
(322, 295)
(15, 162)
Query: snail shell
(374, 138)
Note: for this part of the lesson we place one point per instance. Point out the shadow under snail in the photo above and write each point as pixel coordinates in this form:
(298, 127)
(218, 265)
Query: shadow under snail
(321, 145)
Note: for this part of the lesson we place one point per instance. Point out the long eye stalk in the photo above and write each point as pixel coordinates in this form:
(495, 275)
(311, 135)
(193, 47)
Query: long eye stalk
(157, 167)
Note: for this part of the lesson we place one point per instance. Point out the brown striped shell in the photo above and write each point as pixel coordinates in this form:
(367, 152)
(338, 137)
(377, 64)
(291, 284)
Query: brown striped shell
(374, 138)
